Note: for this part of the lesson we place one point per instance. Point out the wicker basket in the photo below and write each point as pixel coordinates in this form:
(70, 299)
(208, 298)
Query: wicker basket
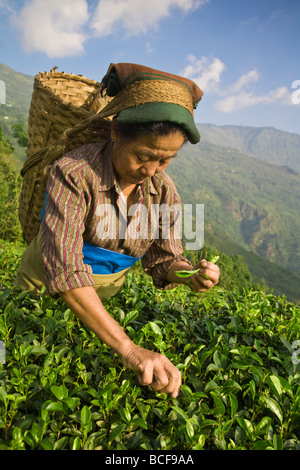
(63, 115)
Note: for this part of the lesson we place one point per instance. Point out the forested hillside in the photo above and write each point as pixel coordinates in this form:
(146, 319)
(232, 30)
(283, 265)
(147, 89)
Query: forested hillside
(18, 88)
(249, 202)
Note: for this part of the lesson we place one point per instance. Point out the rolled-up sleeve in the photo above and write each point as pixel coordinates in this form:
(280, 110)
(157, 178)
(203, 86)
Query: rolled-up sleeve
(62, 231)
(158, 260)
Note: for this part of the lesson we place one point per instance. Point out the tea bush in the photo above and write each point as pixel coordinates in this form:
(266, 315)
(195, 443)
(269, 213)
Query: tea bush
(60, 388)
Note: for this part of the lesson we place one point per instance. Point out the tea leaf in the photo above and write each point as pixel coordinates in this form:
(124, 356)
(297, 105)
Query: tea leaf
(185, 273)
(60, 392)
(233, 405)
(61, 443)
(130, 317)
(180, 413)
(277, 442)
(247, 426)
(273, 406)
(189, 429)
(116, 431)
(156, 329)
(76, 443)
(54, 406)
(85, 415)
(274, 383)
(219, 405)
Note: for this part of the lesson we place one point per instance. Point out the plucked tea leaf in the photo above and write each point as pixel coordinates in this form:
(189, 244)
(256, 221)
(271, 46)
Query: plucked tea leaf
(186, 273)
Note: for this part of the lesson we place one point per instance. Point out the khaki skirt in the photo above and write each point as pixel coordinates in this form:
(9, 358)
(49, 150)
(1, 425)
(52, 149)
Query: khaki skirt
(31, 274)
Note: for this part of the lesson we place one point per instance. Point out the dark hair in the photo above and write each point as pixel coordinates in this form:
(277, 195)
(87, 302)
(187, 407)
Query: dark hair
(150, 128)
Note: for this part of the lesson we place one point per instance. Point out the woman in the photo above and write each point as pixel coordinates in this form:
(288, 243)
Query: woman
(98, 212)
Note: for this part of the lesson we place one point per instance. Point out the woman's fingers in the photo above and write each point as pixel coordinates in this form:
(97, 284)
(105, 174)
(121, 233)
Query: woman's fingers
(155, 370)
(167, 378)
(206, 278)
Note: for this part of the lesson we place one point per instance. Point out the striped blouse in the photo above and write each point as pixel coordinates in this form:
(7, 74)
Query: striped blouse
(85, 203)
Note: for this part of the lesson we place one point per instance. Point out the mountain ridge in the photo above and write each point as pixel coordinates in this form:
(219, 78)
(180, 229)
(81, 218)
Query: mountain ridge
(264, 143)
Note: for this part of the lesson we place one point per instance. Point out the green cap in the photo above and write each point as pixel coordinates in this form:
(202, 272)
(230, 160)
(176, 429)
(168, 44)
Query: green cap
(153, 96)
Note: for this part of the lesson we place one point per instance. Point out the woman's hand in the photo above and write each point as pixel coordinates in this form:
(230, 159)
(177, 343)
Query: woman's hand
(152, 369)
(206, 278)
(203, 280)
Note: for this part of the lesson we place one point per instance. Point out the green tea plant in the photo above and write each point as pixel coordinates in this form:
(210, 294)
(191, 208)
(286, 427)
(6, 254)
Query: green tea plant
(61, 388)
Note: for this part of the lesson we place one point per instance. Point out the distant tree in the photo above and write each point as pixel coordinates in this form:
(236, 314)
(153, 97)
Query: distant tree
(20, 134)
(10, 186)
(5, 146)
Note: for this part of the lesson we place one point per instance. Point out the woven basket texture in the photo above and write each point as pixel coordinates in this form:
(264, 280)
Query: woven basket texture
(63, 116)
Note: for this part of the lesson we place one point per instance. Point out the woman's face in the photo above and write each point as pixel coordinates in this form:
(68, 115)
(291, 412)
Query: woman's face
(143, 157)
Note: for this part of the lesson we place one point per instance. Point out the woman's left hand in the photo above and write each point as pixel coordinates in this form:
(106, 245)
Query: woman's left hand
(206, 278)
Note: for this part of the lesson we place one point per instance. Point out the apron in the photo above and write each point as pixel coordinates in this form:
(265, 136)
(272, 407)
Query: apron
(109, 267)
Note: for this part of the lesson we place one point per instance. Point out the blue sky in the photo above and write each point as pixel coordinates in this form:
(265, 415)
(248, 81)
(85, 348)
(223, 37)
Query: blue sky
(244, 54)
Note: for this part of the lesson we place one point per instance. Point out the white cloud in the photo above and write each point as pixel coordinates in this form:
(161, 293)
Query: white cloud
(245, 99)
(60, 28)
(53, 27)
(136, 16)
(244, 80)
(206, 72)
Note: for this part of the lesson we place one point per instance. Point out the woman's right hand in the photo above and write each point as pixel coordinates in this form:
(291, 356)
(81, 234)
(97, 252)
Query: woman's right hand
(152, 369)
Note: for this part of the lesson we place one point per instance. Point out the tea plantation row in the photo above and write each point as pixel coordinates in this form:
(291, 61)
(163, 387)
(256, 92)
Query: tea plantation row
(238, 352)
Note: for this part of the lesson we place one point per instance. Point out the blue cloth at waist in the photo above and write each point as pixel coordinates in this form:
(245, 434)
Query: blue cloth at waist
(104, 261)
